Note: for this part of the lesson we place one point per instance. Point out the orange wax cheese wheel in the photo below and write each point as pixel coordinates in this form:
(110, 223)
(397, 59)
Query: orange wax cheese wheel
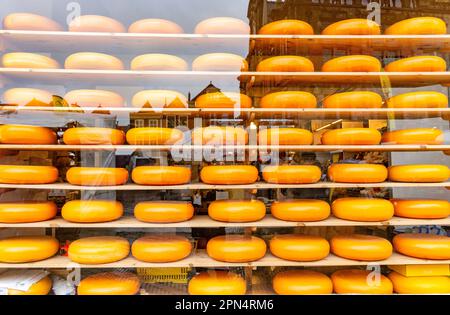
(220, 135)
(417, 64)
(420, 285)
(229, 174)
(236, 248)
(237, 210)
(23, 249)
(98, 250)
(296, 247)
(351, 136)
(109, 283)
(30, 22)
(27, 97)
(296, 282)
(353, 63)
(422, 99)
(418, 26)
(361, 247)
(41, 287)
(93, 61)
(161, 248)
(26, 174)
(292, 174)
(214, 282)
(285, 64)
(414, 136)
(158, 62)
(356, 99)
(161, 175)
(285, 136)
(21, 134)
(28, 60)
(97, 176)
(93, 98)
(362, 209)
(92, 211)
(421, 208)
(27, 212)
(96, 23)
(426, 173)
(220, 62)
(300, 210)
(223, 100)
(159, 99)
(287, 27)
(288, 99)
(154, 135)
(353, 27)
(222, 25)
(357, 173)
(163, 211)
(425, 246)
(90, 135)
(356, 281)
(155, 26)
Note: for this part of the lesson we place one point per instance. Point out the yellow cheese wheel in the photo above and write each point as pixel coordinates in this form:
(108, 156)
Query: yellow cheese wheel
(161, 248)
(357, 173)
(217, 282)
(220, 62)
(27, 211)
(351, 136)
(23, 249)
(297, 247)
(97, 176)
(91, 135)
(362, 209)
(288, 99)
(425, 246)
(93, 98)
(98, 250)
(421, 208)
(300, 210)
(420, 285)
(286, 27)
(159, 99)
(96, 23)
(41, 287)
(229, 174)
(422, 99)
(214, 135)
(418, 26)
(28, 60)
(27, 97)
(285, 64)
(22, 134)
(417, 64)
(154, 135)
(92, 211)
(30, 22)
(353, 27)
(27, 174)
(109, 283)
(414, 136)
(355, 99)
(163, 211)
(236, 248)
(356, 281)
(353, 63)
(155, 26)
(93, 61)
(158, 62)
(237, 210)
(292, 174)
(161, 175)
(222, 25)
(296, 282)
(223, 100)
(425, 173)
(285, 136)
(361, 247)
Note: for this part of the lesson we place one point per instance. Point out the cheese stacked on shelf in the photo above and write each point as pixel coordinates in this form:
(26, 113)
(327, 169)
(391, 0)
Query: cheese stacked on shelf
(109, 283)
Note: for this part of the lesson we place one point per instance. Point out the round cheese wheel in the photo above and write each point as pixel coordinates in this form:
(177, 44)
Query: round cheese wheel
(292, 174)
(285, 136)
(417, 64)
(361, 247)
(236, 248)
(229, 174)
(158, 62)
(357, 173)
(421, 208)
(220, 135)
(297, 247)
(27, 212)
(96, 23)
(154, 135)
(92, 135)
(215, 282)
(353, 27)
(288, 99)
(93, 98)
(296, 282)
(353, 63)
(420, 285)
(300, 210)
(164, 211)
(97, 176)
(26, 174)
(426, 173)
(351, 136)
(98, 250)
(162, 248)
(22, 134)
(30, 22)
(222, 25)
(362, 209)
(422, 99)
(23, 249)
(286, 27)
(425, 246)
(161, 175)
(41, 287)
(220, 62)
(92, 211)
(223, 100)
(237, 210)
(414, 136)
(27, 97)
(93, 61)
(356, 281)
(159, 99)
(285, 64)
(155, 26)
(356, 99)
(418, 26)
(109, 283)
(28, 60)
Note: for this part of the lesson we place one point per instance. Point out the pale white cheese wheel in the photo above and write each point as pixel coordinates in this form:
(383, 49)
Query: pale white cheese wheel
(94, 98)
(158, 62)
(222, 25)
(155, 26)
(93, 61)
(27, 97)
(96, 23)
(30, 22)
(28, 60)
(159, 99)
(220, 62)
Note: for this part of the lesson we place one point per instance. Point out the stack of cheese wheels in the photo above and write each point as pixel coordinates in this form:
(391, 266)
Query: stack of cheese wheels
(356, 281)
(300, 210)
(297, 282)
(217, 282)
(155, 26)
(96, 23)
(109, 283)
(26, 174)
(22, 134)
(237, 210)
(29, 21)
(285, 64)
(162, 248)
(93, 135)
(418, 26)
(353, 27)
(285, 136)
(223, 100)
(41, 287)
(425, 246)
(421, 208)
(98, 250)
(417, 64)
(357, 173)
(163, 211)
(220, 62)
(414, 136)
(229, 174)
(420, 285)
(27, 97)
(288, 99)
(422, 99)
(158, 62)
(154, 135)
(93, 98)
(361, 247)
(220, 135)
(97, 176)
(28, 60)
(93, 61)
(236, 248)
(297, 247)
(27, 212)
(424, 173)
(353, 63)
(161, 175)
(286, 27)
(92, 211)
(159, 99)
(292, 174)
(222, 25)
(351, 136)
(362, 209)
(23, 249)
(356, 99)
